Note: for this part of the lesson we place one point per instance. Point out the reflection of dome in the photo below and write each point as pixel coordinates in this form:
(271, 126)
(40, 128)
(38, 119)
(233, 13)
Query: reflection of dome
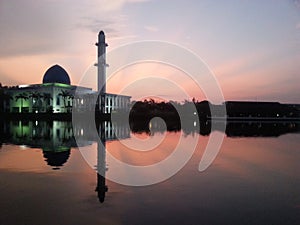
(56, 74)
(56, 159)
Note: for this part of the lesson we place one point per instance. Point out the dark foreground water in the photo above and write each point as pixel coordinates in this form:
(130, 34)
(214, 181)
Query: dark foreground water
(255, 178)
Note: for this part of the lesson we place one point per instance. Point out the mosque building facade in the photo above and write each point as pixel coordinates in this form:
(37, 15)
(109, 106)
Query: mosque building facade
(56, 94)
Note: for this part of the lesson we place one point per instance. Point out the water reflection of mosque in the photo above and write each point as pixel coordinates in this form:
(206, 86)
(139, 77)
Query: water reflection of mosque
(56, 138)
(59, 136)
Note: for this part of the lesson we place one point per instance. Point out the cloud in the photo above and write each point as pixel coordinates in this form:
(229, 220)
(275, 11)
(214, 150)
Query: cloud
(298, 26)
(297, 3)
(56, 26)
(111, 5)
(151, 28)
(33, 27)
(94, 24)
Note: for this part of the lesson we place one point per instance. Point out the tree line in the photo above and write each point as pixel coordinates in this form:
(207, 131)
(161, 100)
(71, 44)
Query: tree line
(34, 96)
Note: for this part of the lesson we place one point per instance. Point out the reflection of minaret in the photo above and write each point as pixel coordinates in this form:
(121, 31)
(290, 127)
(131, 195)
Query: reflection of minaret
(101, 164)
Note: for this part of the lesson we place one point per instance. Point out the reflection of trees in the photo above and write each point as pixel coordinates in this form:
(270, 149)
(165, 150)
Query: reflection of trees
(4, 135)
(67, 133)
(260, 129)
(47, 131)
(233, 129)
(38, 134)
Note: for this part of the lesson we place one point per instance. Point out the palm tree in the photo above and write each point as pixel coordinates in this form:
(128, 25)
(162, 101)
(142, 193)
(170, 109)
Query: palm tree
(71, 97)
(65, 95)
(35, 97)
(22, 96)
(47, 98)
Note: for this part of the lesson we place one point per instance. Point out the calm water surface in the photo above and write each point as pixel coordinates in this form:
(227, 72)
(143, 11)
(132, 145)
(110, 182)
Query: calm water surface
(255, 179)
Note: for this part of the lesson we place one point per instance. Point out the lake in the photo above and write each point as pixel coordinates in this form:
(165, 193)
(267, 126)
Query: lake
(49, 175)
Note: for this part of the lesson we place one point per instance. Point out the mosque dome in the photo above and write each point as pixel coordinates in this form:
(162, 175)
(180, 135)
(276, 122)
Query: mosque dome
(56, 74)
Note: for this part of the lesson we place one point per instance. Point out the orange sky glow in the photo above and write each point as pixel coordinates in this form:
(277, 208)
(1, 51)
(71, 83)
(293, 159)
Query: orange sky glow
(253, 55)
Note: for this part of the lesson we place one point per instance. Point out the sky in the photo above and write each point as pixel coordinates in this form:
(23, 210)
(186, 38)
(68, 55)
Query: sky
(251, 47)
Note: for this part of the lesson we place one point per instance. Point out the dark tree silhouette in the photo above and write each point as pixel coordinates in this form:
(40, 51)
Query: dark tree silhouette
(65, 95)
(47, 99)
(4, 98)
(22, 97)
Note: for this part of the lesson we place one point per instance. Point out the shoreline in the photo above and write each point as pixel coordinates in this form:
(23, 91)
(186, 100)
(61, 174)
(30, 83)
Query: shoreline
(107, 117)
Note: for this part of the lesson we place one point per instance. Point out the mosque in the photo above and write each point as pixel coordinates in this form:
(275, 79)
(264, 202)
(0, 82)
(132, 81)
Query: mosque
(56, 94)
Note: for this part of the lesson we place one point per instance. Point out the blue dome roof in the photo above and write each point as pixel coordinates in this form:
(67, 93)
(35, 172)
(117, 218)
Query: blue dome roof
(56, 74)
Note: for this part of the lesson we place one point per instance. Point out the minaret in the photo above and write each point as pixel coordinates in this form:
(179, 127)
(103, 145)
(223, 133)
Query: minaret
(101, 62)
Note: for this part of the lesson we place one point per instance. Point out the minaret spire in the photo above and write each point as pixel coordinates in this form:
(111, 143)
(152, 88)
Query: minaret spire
(101, 62)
